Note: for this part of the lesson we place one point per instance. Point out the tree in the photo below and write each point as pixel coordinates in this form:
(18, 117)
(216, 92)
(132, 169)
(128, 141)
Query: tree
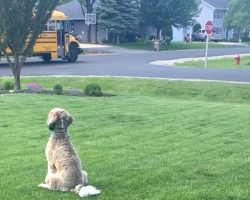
(21, 23)
(196, 27)
(237, 15)
(87, 7)
(118, 17)
(162, 13)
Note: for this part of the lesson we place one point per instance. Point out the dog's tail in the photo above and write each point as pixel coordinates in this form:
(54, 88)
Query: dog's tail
(85, 191)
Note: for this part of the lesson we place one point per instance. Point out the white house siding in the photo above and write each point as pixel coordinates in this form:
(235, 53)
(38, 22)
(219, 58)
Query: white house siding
(178, 34)
(207, 13)
(181, 33)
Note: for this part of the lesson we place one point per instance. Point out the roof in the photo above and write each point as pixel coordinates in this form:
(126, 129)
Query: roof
(72, 9)
(217, 4)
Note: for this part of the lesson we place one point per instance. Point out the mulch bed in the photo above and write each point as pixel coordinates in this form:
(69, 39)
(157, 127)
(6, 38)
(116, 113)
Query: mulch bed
(78, 93)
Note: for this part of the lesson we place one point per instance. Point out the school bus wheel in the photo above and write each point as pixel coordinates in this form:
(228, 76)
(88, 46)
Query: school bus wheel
(73, 52)
(46, 57)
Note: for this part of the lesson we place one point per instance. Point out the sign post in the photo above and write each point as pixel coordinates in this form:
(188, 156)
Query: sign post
(209, 30)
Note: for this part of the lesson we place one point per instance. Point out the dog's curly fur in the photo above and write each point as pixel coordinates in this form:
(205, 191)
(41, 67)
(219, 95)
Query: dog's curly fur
(64, 166)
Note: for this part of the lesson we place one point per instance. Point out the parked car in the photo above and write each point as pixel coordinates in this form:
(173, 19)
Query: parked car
(216, 36)
(199, 35)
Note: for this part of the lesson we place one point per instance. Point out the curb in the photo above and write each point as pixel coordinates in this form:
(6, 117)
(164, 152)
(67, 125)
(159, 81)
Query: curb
(182, 60)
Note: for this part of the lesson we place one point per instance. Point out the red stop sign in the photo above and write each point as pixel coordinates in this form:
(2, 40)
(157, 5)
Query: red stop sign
(209, 27)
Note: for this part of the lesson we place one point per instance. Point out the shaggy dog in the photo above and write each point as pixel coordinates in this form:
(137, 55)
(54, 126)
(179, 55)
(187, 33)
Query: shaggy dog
(64, 165)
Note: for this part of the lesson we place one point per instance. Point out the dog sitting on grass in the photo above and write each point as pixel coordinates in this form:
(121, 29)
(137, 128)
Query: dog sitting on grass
(64, 165)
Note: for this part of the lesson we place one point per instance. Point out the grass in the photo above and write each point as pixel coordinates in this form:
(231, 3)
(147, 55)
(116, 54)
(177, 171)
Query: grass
(173, 45)
(226, 63)
(154, 140)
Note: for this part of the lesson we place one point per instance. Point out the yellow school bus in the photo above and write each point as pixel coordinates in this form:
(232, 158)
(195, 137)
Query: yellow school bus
(56, 41)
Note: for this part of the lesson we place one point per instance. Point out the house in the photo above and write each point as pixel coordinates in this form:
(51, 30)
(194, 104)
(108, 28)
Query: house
(211, 10)
(214, 10)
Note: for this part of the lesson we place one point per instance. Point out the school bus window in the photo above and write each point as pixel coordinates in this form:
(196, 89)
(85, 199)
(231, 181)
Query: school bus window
(50, 26)
(60, 25)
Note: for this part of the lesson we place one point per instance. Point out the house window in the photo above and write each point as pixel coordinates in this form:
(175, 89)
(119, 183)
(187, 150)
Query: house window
(218, 14)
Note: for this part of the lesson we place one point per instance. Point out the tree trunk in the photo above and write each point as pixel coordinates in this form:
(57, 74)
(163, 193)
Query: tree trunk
(107, 35)
(96, 31)
(17, 80)
(226, 34)
(89, 33)
(239, 35)
(118, 38)
(16, 70)
(89, 9)
(158, 33)
(113, 38)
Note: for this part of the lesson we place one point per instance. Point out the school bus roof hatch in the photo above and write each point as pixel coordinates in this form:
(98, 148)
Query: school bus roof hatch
(58, 15)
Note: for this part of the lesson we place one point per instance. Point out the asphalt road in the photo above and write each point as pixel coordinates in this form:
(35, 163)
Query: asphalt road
(134, 64)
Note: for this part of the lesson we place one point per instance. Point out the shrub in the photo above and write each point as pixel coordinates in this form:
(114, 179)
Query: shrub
(58, 89)
(151, 37)
(93, 89)
(8, 85)
(234, 39)
(104, 41)
(131, 37)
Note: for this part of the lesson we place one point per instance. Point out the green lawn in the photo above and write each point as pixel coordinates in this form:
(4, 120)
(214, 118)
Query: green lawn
(173, 45)
(154, 139)
(227, 63)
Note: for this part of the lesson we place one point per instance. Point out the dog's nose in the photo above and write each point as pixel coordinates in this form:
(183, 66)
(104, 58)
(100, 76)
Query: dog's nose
(51, 126)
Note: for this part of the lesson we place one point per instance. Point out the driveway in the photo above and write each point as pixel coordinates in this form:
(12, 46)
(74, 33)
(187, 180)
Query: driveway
(135, 63)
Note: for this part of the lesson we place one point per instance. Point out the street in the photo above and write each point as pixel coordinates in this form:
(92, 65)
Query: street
(132, 63)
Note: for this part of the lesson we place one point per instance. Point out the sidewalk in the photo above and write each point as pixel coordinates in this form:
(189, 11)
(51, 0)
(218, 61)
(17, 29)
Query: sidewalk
(106, 49)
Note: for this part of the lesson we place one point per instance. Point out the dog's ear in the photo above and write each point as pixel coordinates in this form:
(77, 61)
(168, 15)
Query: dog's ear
(70, 119)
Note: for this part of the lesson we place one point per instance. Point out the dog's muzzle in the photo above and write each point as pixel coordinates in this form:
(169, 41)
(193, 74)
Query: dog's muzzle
(61, 125)
(52, 126)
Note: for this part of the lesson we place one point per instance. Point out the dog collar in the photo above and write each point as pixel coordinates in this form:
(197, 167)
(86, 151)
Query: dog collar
(58, 134)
